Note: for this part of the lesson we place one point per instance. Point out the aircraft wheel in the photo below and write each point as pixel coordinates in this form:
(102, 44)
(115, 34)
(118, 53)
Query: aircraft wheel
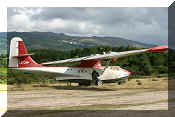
(80, 84)
(119, 83)
(99, 82)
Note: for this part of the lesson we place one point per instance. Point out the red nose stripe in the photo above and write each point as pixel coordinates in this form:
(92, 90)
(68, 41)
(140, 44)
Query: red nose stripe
(127, 71)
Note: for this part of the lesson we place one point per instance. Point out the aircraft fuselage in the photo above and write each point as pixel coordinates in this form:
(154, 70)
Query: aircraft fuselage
(66, 73)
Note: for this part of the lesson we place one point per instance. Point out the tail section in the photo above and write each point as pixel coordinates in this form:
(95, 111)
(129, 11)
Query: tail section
(18, 56)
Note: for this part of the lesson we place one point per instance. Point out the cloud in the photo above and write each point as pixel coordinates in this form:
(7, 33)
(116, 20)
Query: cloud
(148, 25)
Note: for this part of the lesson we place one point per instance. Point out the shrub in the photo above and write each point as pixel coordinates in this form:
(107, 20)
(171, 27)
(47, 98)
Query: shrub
(139, 83)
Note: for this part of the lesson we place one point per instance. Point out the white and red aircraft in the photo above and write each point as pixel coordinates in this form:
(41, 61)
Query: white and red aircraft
(89, 69)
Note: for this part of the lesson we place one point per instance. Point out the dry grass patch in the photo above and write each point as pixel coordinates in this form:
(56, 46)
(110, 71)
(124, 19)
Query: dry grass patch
(149, 83)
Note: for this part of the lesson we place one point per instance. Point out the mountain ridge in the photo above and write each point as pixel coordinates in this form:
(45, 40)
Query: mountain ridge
(61, 41)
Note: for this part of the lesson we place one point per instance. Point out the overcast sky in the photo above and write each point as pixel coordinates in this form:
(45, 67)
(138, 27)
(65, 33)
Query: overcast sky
(148, 25)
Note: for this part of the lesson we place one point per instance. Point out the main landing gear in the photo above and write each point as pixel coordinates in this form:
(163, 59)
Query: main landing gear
(95, 80)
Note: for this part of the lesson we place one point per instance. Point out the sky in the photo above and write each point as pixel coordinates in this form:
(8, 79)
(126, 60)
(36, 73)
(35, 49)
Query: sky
(148, 25)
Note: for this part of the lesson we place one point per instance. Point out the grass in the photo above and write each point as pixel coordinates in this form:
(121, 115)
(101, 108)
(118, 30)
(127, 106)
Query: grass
(160, 84)
(3, 75)
(3, 71)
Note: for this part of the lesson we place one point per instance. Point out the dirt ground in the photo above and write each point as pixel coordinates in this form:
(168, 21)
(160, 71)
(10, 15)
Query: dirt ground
(108, 100)
(60, 99)
(129, 96)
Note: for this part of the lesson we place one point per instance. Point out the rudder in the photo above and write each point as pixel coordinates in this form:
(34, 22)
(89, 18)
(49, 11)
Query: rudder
(18, 56)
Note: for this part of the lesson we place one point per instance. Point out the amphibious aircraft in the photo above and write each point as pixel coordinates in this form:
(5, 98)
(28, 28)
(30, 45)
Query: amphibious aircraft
(88, 72)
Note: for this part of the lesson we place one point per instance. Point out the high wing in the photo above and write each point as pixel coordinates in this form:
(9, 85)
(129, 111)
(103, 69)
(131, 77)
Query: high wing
(111, 55)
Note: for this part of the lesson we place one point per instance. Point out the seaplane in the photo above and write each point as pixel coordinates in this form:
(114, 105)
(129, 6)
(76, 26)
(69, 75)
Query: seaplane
(89, 72)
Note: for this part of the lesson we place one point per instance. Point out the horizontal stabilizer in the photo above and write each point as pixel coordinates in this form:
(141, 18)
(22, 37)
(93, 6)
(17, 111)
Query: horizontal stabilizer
(23, 55)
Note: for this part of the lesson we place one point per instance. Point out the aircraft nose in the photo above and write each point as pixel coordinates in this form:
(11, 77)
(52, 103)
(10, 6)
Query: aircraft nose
(128, 72)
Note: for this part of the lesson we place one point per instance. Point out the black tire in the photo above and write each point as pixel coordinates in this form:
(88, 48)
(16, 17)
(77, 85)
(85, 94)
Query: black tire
(80, 84)
(119, 83)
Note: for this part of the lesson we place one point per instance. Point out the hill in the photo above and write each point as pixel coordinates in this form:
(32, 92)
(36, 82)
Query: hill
(61, 41)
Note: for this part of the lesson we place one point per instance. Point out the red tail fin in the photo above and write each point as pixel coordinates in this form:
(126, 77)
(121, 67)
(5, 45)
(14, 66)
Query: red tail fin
(21, 55)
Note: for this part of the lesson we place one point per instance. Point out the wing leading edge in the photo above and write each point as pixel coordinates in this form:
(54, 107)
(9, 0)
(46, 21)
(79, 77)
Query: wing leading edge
(111, 55)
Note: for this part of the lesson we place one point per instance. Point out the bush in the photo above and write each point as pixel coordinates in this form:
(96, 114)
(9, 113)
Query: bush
(139, 83)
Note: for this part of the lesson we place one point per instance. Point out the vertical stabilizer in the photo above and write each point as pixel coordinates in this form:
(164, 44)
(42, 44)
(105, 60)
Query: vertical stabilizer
(18, 56)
